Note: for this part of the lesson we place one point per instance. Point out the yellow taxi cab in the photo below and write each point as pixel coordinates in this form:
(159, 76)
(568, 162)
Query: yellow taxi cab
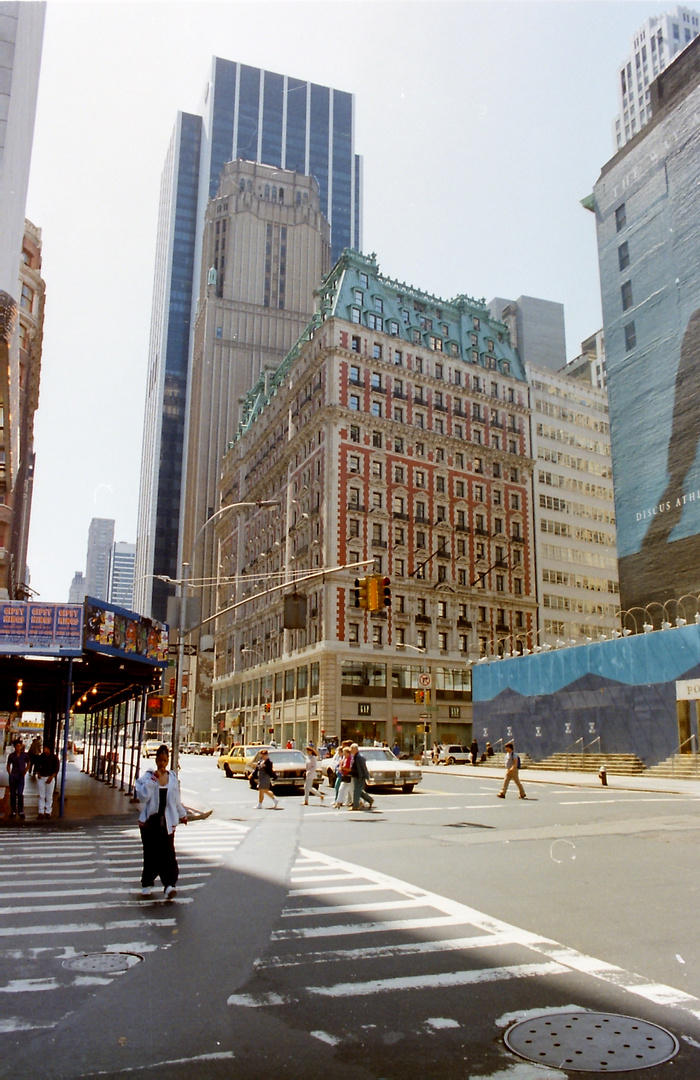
(234, 760)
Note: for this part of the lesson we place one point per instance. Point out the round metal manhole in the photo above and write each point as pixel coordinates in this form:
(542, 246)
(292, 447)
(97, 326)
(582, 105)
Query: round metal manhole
(103, 963)
(591, 1042)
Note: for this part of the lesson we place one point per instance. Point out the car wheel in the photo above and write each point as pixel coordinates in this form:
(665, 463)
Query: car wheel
(408, 788)
(227, 770)
(450, 761)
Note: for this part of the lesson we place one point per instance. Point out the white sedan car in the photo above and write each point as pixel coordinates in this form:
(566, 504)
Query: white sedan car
(385, 770)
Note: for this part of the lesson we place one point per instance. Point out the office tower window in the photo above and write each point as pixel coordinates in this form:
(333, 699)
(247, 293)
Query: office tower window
(623, 255)
(630, 336)
(626, 294)
(620, 217)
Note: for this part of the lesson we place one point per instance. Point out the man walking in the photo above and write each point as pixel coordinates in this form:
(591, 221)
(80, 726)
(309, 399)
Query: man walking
(46, 772)
(17, 765)
(360, 775)
(511, 772)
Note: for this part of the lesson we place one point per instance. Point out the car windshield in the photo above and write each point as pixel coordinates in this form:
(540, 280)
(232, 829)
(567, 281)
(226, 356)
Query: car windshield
(378, 754)
(286, 756)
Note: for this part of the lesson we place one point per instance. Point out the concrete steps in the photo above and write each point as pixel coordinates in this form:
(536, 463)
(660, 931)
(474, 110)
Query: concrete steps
(679, 766)
(615, 764)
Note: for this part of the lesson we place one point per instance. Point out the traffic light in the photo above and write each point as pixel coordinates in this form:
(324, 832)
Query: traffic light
(267, 706)
(419, 696)
(376, 602)
(427, 697)
(386, 593)
(362, 593)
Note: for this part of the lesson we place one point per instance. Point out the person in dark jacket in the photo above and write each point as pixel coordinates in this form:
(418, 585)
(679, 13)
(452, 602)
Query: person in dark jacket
(17, 765)
(46, 772)
(265, 774)
(474, 751)
(360, 775)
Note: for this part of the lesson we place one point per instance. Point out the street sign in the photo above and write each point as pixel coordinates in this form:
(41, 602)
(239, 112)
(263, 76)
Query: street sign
(425, 680)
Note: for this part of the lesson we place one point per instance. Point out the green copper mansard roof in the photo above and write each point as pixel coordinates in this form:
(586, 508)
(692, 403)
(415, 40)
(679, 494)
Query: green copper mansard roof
(461, 329)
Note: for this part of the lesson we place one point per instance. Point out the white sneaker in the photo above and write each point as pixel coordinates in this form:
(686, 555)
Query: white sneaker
(146, 890)
(170, 892)
(276, 803)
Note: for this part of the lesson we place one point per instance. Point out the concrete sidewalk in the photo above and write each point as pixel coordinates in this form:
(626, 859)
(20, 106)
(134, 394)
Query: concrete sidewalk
(86, 799)
(642, 782)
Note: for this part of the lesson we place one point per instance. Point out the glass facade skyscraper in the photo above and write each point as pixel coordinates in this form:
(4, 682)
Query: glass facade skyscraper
(258, 116)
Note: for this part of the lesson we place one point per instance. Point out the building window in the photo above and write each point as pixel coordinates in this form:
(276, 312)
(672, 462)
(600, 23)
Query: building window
(354, 374)
(374, 321)
(623, 255)
(626, 294)
(376, 380)
(377, 634)
(630, 336)
(442, 609)
(398, 357)
(499, 582)
(354, 633)
(355, 344)
(421, 639)
(354, 433)
(355, 402)
(398, 446)
(364, 281)
(354, 463)
(515, 502)
(400, 567)
(377, 439)
(355, 317)
(27, 300)
(398, 414)
(376, 351)
(377, 469)
(379, 305)
(399, 474)
(400, 635)
(358, 296)
(620, 217)
(442, 641)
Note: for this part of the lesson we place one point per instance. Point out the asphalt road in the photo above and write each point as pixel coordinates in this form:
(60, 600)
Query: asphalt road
(397, 944)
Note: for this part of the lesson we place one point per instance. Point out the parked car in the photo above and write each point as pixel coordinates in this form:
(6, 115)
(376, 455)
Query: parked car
(289, 765)
(454, 755)
(208, 749)
(385, 770)
(236, 759)
(191, 748)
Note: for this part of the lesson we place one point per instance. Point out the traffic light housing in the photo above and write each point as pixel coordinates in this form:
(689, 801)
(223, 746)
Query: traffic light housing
(386, 592)
(375, 602)
(267, 706)
(419, 696)
(362, 594)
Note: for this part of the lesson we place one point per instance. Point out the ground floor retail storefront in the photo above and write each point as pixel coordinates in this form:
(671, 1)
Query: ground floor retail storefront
(330, 696)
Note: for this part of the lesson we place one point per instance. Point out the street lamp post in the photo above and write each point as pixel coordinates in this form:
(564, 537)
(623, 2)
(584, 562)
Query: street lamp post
(182, 592)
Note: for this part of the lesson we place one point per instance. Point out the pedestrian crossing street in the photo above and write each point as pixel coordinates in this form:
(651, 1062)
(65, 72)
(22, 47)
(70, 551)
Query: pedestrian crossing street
(68, 896)
(352, 937)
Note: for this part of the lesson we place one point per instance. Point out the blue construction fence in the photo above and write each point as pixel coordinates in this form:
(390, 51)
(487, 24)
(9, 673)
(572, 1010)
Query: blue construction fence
(621, 691)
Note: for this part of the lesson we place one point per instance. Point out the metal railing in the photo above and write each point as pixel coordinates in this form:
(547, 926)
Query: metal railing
(684, 755)
(577, 755)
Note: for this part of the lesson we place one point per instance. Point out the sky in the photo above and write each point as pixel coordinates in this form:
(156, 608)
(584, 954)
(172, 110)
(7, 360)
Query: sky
(481, 125)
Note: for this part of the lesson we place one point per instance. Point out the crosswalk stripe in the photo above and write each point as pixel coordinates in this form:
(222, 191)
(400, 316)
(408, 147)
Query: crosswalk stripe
(439, 980)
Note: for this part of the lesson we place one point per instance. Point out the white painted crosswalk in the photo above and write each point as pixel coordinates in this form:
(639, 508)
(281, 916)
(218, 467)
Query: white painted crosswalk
(351, 934)
(65, 896)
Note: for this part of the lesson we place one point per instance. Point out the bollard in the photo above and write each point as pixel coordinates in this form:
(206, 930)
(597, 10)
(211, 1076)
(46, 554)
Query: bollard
(603, 776)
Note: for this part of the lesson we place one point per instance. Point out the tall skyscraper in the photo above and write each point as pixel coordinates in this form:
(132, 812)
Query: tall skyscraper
(265, 250)
(21, 37)
(647, 207)
(659, 39)
(99, 557)
(121, 575)
(77, 593)
(257, 116)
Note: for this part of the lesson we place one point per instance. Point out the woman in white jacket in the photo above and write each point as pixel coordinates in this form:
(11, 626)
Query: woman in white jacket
(159, 791)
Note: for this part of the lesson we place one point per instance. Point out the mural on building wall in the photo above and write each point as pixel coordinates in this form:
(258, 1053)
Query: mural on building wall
(621, 692)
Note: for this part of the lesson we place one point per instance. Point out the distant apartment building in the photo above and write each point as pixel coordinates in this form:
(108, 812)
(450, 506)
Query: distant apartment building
(121, 577)
(536, 329)
(77, 591)
(99, 558)
(589, 366)
(267, 119)
(394, 438)
(573, 509)
(21, 287)
(657, 42)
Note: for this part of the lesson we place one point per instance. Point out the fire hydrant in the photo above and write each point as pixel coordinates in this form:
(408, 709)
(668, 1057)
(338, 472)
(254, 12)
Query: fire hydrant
(603, 774)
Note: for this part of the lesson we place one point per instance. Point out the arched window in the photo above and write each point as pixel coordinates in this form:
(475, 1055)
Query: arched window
(281, 195)
(298, 198)
(241, 185)
(274, 194)
(267, 191)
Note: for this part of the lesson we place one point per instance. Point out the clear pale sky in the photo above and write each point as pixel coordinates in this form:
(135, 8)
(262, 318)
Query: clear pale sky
(481, 125)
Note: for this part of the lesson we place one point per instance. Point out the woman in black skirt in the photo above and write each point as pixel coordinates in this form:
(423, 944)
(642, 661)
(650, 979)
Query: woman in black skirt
(162, 810)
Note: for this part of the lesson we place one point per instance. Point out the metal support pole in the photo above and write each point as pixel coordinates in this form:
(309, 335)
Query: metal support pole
(65, 738)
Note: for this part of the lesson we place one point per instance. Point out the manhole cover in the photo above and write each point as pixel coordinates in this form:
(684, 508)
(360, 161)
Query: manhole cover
(103, 962)
(591, 1042)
